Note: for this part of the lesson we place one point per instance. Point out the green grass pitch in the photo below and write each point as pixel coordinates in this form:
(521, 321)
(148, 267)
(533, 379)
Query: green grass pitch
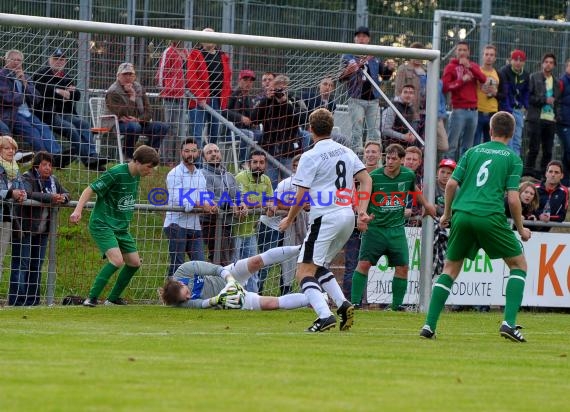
(153, 358)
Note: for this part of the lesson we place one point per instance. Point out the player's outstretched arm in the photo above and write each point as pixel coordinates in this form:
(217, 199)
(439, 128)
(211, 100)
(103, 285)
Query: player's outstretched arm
(513, 198)
(429, 208)
(294, 210)
(450, 190)
(83, 199)
(365, 187)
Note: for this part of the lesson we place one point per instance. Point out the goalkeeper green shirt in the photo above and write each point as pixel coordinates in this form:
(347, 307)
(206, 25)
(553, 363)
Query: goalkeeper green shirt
(484, 173)
(203, 279)
(116, 191)
(388, 199)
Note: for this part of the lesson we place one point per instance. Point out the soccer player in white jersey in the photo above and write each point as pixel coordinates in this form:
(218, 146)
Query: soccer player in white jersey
(324, 171)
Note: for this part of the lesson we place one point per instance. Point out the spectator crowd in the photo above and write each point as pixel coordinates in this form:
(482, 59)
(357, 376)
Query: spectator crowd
(201, 110)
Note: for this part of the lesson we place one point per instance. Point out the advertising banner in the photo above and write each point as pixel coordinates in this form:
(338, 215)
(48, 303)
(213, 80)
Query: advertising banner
(482, 280)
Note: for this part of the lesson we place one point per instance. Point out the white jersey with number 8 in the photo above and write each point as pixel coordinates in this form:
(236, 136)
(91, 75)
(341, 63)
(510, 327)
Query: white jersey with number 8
(327, 170)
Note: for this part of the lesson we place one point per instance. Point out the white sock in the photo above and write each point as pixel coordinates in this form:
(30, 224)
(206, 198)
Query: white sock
(293, 301)
(315, 297)
(279, 254)
(239, 270)
(331, 286)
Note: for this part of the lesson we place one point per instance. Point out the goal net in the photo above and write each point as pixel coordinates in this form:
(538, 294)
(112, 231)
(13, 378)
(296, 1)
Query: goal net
(204, 109)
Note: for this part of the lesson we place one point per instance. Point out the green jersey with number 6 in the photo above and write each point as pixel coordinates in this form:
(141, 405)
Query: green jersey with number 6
(388, 199)
(484, 173)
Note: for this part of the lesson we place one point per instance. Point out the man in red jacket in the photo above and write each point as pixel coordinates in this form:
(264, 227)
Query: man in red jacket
(460, 79)
(171, 80)
(208, 78)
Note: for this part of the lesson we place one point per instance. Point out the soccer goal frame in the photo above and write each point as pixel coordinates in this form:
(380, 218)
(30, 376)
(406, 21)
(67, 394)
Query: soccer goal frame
(85, 28)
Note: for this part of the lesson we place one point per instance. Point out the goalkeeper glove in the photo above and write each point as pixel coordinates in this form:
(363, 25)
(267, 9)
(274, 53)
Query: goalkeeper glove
(215, 301)
(233, 285)
(232, 301)
(227, 301)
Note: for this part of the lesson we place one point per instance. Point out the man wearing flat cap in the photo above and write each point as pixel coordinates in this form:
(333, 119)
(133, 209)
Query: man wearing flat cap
(57, 108)
(127, 99)
(513, 94)
(363, 102)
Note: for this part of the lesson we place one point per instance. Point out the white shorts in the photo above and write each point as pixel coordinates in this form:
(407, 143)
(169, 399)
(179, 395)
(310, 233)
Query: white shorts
(251, 301)
(326, 237)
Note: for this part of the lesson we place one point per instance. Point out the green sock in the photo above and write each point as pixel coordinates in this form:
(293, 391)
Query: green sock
(399, 286)
(514, 295)
(358, 284)
(101, 280)
(123, 280)
(439, 295)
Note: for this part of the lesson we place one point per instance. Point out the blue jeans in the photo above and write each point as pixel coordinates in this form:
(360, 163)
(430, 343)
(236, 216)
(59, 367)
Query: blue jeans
(36, 133)
(246, 247)
(199, 117)
(274, 173)
(28, 253)
(267, 238)
(516, 142)
(4, 129)
(181, 242)
(360, 111)
(78, 132)
(564, 136)
(540, 135)
(174, 114)
(462, 125)
(482, 134)
(155, 131)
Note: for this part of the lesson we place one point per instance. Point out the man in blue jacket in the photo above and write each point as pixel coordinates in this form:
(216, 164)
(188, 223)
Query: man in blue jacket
(513, 94)
(57, 108)
(363, 102)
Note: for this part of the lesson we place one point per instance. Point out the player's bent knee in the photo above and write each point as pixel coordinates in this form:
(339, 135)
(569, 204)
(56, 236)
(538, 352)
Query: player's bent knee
(254, 264)
(363, 267)
(401, 272)
(321, 271)
(516, 262)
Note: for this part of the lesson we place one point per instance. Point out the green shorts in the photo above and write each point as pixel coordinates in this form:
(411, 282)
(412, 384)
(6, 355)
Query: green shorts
(380, 241)
(106, 238)
(492, 233)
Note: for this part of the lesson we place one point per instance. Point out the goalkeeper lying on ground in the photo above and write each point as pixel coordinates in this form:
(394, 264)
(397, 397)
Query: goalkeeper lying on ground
(201, 285)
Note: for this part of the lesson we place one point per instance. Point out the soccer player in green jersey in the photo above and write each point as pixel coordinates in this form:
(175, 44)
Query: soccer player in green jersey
(117, 190)
(484, 173)
(386, 235)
